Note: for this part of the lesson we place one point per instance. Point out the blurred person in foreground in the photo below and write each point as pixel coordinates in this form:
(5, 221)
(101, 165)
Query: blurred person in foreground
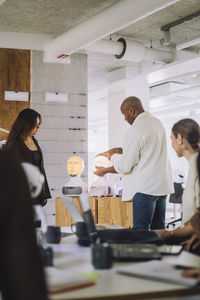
(21, 269)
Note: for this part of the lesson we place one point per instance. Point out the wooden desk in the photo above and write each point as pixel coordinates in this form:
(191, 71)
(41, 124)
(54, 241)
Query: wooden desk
(109, 210)
(63, 218)
(113, 286)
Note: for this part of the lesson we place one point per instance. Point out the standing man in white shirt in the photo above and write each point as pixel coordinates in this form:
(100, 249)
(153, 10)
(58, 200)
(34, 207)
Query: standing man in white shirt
(144, 162)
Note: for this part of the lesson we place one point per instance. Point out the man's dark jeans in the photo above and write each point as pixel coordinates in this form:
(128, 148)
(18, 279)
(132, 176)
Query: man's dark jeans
(148, 212)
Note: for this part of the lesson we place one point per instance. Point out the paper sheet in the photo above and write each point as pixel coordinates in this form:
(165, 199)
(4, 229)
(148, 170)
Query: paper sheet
(157, 270)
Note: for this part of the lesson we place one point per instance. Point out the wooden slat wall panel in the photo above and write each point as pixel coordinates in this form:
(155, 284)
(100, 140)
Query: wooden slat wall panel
(14, 76)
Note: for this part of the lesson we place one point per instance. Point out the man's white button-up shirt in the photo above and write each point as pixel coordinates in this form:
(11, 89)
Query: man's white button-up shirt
(144, 161)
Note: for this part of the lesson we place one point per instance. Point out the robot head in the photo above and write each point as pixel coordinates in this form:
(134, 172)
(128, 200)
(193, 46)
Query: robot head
(75, 165)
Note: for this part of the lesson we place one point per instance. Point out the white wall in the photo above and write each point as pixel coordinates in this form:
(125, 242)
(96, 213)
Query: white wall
(97, 142)
(56, 139)
(116, 125)
(97, 130)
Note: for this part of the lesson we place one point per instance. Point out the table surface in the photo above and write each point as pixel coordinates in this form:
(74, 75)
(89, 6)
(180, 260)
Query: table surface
(70, 256)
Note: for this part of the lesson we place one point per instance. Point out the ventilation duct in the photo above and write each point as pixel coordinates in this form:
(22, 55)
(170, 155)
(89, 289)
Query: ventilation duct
(131, 51)
(115, 17)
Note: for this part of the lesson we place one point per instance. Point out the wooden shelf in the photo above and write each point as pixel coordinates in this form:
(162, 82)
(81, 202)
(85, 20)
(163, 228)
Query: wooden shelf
(15, 76)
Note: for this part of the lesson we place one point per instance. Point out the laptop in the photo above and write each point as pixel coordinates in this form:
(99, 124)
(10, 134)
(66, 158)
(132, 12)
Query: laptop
(134, 252)
(127, 245)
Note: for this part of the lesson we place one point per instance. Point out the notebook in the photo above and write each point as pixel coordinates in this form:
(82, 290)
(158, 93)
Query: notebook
(127, 245)
(62, 281)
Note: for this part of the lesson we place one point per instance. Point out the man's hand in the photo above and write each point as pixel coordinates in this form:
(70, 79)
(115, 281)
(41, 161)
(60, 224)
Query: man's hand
(193, 273)
(100, 171)
(192, 244)
(110, 152)
(164, 233)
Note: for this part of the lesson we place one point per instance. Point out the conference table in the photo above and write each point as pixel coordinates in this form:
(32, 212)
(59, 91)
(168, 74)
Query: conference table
(75, 259)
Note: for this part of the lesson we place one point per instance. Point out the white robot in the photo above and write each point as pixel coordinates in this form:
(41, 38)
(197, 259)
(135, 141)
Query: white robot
(75, 186)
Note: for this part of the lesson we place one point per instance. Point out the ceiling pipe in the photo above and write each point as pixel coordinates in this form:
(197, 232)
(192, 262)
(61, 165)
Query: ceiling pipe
(25, 41)
(106, 47)
(180, 21)
(188, 44)
(115, 17)
(124, 49)
(28, 41)
(131, 51)
(158, 55)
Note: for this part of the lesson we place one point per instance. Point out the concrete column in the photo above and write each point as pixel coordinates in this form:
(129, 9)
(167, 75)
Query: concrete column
(56, 138)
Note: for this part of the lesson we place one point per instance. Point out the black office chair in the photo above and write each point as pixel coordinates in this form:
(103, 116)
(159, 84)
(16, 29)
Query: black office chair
(176, 198)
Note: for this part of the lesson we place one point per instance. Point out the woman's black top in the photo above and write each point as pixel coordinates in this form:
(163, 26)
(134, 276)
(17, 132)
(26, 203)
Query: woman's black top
(37, 158)
(24, 154)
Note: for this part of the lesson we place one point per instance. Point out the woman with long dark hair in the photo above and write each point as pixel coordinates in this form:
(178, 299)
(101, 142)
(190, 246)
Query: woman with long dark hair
(194, 242)
(185, 138)
(185, 141)
(21, 140)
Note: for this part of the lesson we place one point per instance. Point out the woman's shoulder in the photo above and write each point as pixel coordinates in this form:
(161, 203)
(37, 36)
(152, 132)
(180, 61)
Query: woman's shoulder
(13, 143)
(15, 147)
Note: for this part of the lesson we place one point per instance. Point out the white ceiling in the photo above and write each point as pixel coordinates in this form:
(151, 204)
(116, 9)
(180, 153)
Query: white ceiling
(50, 17)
